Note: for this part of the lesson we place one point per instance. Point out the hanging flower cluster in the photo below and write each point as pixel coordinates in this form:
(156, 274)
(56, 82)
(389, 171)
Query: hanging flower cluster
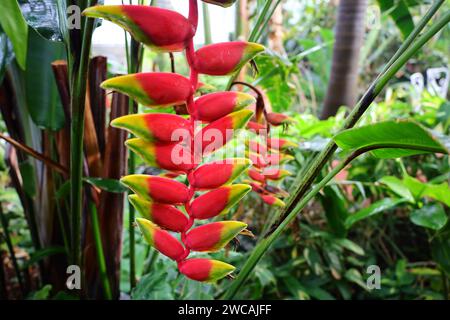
(177, 144)
(267, 158)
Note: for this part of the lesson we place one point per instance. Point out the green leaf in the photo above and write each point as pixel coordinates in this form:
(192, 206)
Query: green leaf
(350, 245)
(42, 16)
(42, 254)
(41, 294)
(43, 101)
(398, 10)
(391, 139)
(110, 185)
(440, 192)
(6, 53)
(398, 187)
(14, 25)
(373, 209)
(334, 205)
(431, 216)
(355, 276)
(440, 249)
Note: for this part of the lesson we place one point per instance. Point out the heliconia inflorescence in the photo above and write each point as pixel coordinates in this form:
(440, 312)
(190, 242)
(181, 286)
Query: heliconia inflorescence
(167, 141)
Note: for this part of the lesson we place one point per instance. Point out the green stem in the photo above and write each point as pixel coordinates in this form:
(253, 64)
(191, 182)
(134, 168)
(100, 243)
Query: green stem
(77, 105)
(206, 23)
(357, 112)
(294, 207)
(266, 21)
(99, 248)
(253, 35)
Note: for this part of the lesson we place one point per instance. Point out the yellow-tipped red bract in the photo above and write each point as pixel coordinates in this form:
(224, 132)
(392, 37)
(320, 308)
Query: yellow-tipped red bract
(216, 134)
(214, 106)
(168, 156)
(152, 89)
(160, 127)
(156, 188)
(205, 270)
(161, 240)
(277, 119)
(222, 59)
(218, 201)
(276, 174)
(162, 30)
(218, 173)
(213, 236)
(280, 144)
(272, 200)
(222, 3)
(164, 215)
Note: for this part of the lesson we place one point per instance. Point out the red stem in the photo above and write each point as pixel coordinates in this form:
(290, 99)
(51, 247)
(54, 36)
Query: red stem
(190, 57)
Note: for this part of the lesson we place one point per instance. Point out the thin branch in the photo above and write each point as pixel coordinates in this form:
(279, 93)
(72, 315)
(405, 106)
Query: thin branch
(35, 154)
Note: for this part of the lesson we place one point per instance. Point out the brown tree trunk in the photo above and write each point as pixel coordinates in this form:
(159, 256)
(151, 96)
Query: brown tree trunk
(342, 87)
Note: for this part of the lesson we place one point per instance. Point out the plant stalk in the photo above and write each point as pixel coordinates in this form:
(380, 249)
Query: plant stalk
(99, 248)
(206, 23)
(77, 105)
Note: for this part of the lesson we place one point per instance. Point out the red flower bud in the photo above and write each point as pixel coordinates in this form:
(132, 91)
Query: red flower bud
(218, 201)
(277, 119)
(153, 126)
(222, 59)
(161, 29)
(168, 156)
(164, 215)
(217, 105)
(213, 236)
(161, 240)
(271, 200)
(158, 189)
(201, 269)
(154, 89)
(215, 174)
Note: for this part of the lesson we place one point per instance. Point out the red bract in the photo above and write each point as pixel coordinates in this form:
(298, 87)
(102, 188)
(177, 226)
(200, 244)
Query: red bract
(158, 189)
(164, 215)
(161, 240)
(218, 133)
(217, 105)
(168, 141)
(155, 89)
(215, 174)
(208, 270)
(277, 119)
(161, 29)
(168, 156)
(218, 201)
(161, 127)
(222, 59)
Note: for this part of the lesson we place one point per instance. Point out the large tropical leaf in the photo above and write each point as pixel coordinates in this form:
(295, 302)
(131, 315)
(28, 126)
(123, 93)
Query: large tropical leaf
(391, 139)
(6, 53)
(373, 209)
(14, 25)
(42, 96)
(398, 10)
